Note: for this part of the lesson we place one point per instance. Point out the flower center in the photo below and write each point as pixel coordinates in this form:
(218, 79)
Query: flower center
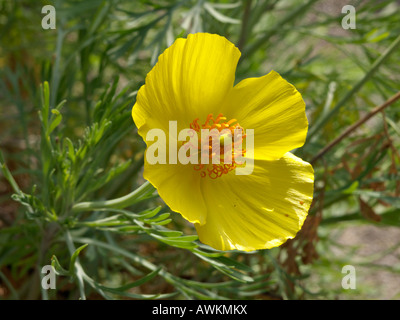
(224, 142)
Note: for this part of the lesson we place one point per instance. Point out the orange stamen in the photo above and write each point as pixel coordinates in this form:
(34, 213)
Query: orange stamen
(215, 171)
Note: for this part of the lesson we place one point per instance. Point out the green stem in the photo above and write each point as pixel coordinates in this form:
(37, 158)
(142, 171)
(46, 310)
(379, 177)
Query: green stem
(245, 24)
(130, 255)
(296, 13)
(13, 292)
(77, 266)
(134, 197)
(7, 174)
(57, 72)
(322, 121)
(129, 173)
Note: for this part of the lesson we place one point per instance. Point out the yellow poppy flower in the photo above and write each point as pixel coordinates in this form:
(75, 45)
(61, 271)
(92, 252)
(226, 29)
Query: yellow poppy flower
(192, 84)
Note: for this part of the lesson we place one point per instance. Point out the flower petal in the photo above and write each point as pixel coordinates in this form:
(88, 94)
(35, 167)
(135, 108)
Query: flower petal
(179, 186)
(190, 80)
(274, 109)
(257, 211)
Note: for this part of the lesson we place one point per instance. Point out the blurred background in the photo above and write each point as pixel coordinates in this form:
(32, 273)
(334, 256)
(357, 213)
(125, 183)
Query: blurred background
(67, 137)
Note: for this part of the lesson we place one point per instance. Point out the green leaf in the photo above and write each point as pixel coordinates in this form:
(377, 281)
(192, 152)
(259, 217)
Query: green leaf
(45, 103)
(149, 213)
(8, 175)
(170, 233)
(218, 15)
(74, 257)
(139, 282)
(353, 187)
(71, 149)
(54, 121)
(228, 269)
(376, 35)
(58, 268)
(175, 242)
(392, 200)
(158, 218)
(161, 223)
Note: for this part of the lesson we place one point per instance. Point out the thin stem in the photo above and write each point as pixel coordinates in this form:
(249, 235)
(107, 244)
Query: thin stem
(77, 265)
(245, 24)
(268, 34)
(129, 254)
(137, 195)
(14, 293)
(319, 124)
(354, 126)
(126, 177)
(55, 77)
(48, 235)
(7, 174)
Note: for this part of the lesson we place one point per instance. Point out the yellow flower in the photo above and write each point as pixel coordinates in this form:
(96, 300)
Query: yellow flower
(193, 84)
